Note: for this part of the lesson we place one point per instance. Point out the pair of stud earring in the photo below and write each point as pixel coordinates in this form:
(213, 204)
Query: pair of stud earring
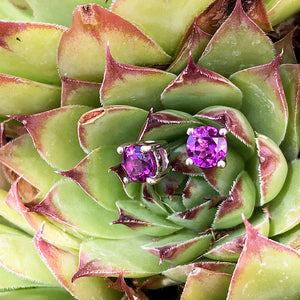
(148, 161)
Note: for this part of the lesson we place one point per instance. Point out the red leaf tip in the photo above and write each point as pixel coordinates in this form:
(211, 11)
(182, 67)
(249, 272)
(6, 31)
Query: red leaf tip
(250, 231)
(38, 237)
(238, 5)
(108, 53)
(20, 118)
(275, 63)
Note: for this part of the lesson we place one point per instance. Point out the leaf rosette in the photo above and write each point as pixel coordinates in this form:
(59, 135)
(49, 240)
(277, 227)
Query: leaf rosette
(122, 77)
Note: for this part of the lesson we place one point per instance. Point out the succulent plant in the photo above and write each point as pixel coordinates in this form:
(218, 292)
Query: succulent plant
(103, 195)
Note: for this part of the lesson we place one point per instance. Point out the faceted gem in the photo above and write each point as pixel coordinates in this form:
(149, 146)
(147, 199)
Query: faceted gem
(206, 146)
(138, 165)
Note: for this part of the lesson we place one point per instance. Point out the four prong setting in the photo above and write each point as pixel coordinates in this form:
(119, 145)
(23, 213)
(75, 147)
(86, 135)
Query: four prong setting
(223, 131)
(206, 147)
(221, 164)
(190, 131)
(189, 162)
(144, 161)
(120, 150)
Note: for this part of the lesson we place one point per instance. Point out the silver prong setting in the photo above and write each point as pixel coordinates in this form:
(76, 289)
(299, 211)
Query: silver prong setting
(146, 148)
(156, 156)
(221, 164)
(120, 150)
(223, 131)
(190, 131)
(189, 162)
(150, 180)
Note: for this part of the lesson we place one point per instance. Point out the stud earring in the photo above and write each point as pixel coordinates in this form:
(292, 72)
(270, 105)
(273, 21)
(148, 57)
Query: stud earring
(143, 161)
(206, 147)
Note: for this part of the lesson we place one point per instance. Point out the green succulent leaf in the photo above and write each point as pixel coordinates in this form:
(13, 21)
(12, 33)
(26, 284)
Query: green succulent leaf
(63, 265)
(55, 12)
(11, 281)
(240, 133)
(241, 200)
(197, 191)
(12, 216)
(180, 273)
(291, 83)
(238, 44)
(271, 169)
(264, 102)
(131, 85)
(215, 14)
(166, 125)
(51, 232)
(129, 259)
(194, 44)
(285, 208)
(81, 52)
(37, 293)
(178, 158)
(165, 23)
(95, 127)
(290, 238)
(152, 200)
(286, 48)
(29, 97)
(79, 92)
(204, 284)
(12, 10)
(197, 218)
(179, 248)
(221, 179)
(93, 176)
(279, 10)
(69, 205)
(29, 50)
(21, 156)
(230, 246)
(29, 265)
(174, 204)
(261, 259)
(141, 219)
(60, 148)
(171, 185)
(196, 88)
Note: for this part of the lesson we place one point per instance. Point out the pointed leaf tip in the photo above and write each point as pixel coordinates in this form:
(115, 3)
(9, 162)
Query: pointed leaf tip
(197, 88)
(241, 200)
(260, 260)
(50, 141)
(238, 44)
(193, 44)
(47, 208)
(272, 169)
(93, 26)
(38, 237)
(79, 92)
(213, 17)
(262, 87)
(125, 84)
(165, 22)
(13, 199)
(275, 63)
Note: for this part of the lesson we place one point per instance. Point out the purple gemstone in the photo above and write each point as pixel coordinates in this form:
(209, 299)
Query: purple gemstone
(206, 147)
(138, 165)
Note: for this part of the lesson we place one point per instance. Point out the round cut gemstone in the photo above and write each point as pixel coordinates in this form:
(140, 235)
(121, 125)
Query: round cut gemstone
(138, 165)
(206, 147)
